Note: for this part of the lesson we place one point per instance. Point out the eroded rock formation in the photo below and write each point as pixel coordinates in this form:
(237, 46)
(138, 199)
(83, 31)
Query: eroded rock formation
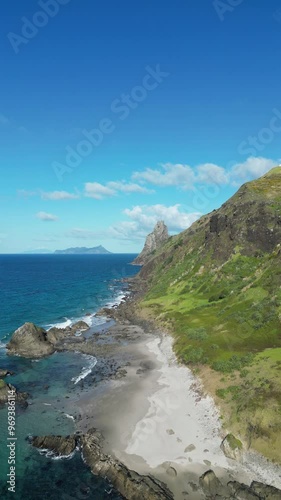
(153, 241)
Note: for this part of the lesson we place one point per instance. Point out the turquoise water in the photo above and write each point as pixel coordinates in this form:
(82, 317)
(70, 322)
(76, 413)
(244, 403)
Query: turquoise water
(51, 290)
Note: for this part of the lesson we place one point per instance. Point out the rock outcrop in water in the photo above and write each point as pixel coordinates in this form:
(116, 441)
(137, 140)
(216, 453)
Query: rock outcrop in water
(5, 373)
(55, 334)
(132, 485)
(60, 446)
(153, 241)
(30, 341)
(129, 483)
(20, 397)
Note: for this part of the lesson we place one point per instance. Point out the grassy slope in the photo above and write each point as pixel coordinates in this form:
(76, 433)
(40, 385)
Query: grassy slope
(223, 305)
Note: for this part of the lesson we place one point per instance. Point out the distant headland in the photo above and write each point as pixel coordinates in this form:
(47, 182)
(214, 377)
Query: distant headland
(99, 250)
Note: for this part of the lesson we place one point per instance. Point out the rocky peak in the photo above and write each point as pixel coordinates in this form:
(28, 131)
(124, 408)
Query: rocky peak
(153, 241)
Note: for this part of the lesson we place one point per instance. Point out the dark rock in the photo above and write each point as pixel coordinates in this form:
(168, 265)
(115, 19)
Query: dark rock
(265, 491)
(210, 484)
(121, 373)
(30, 341)
(55, 335)
(59, 445)
(5, 373)
(241, 491)
(130, 484)
(20, 397)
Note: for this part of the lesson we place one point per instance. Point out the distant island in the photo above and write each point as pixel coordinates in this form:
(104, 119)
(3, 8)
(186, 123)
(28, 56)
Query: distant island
(100, 250)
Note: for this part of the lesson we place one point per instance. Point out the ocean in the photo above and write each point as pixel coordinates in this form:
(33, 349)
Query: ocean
(53, 290)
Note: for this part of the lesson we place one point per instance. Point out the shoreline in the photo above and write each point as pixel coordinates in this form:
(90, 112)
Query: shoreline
(158, 422)
(151, 409)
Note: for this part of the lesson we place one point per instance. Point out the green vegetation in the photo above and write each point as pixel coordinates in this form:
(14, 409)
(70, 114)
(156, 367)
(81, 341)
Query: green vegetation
(217, 288)
(233, 442)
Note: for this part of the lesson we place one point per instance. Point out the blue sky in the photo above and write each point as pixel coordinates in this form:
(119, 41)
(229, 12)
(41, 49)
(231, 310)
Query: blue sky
(114, 115)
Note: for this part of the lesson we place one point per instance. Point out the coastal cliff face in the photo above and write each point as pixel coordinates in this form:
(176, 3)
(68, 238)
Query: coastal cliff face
(217, 287)
(153, 242)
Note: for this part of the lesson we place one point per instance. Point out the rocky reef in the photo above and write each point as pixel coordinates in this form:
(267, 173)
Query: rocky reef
(20, 397)
(130, 484)
(153, 241)
(134, 486)
(31, 341)
(58, 445)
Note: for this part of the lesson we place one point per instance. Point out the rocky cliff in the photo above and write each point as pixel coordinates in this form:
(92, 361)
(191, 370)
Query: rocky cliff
(217, 287)
(153, 242)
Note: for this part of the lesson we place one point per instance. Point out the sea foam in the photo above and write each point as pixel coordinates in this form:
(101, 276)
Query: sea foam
(86, 370)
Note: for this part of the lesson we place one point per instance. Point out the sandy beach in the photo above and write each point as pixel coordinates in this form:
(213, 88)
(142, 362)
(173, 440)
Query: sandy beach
(156, 419)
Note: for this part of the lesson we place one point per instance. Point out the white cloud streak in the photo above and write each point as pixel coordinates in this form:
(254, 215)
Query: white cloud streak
(185, 177)
(59, 195)
(98, 191)
(44, 216)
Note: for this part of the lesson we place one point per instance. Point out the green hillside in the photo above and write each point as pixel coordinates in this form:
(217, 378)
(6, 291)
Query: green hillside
(217, 288)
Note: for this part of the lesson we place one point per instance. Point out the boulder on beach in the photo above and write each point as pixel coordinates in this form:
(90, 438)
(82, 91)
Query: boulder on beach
(30, 341)
(59, 445)
(265, 491)
(232, 447)
(210, 484)
(213, 488)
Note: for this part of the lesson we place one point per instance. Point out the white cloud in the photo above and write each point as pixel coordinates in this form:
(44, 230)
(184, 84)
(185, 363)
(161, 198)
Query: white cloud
(98, 191)
(175, 218)
(127, 230)
(51, 195)
(186, 177)
(59, 195)
(26, 194)
(128, 187)
(211, 173)
(252, 168)
(46, 217)
(112, 188)
(169, 175)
